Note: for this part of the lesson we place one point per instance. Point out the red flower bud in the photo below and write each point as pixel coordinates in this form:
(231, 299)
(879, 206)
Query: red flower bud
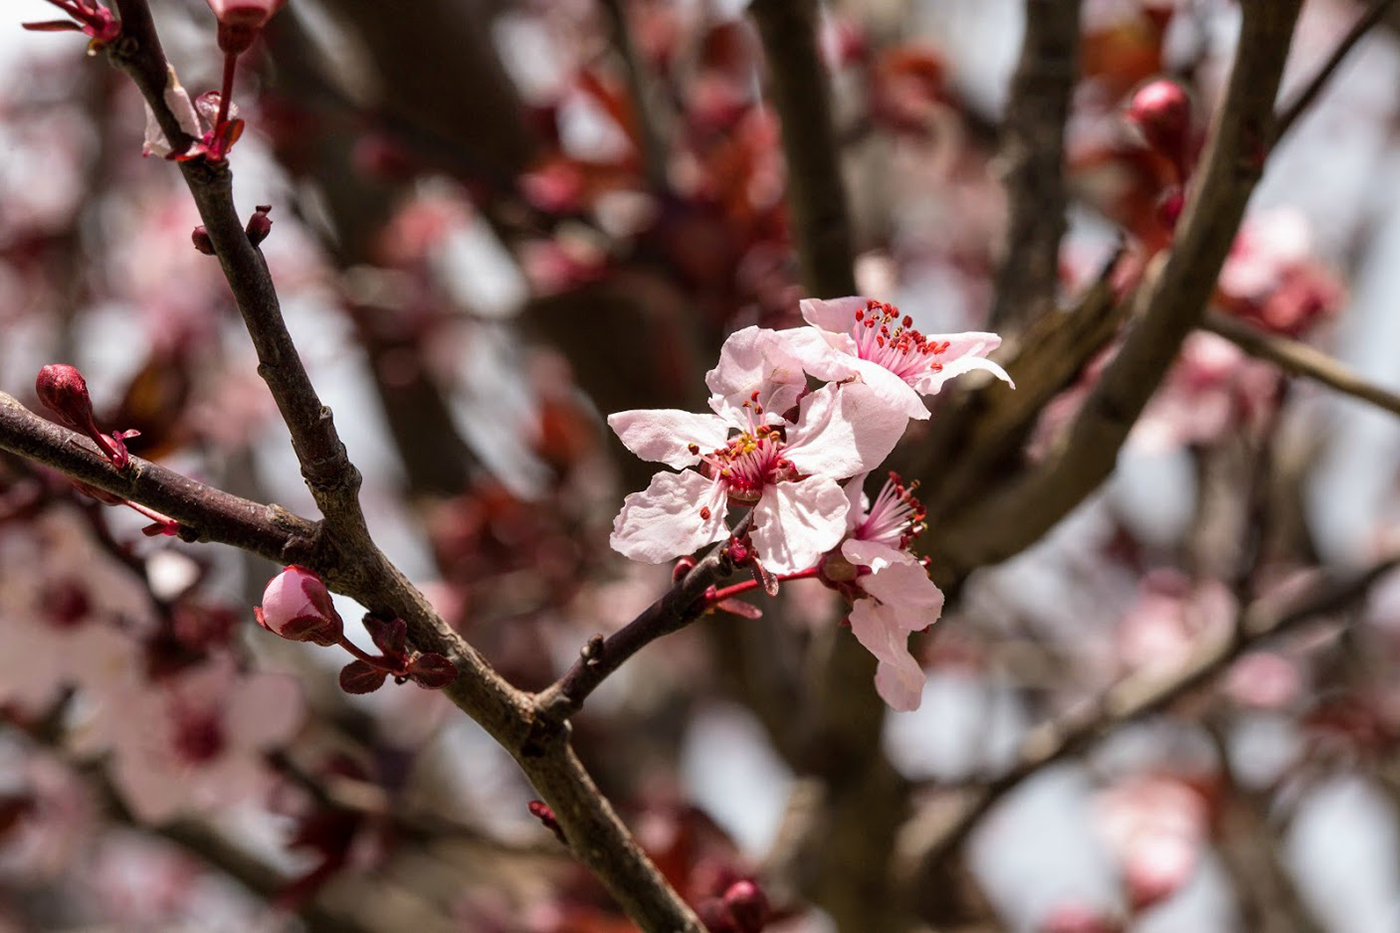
(200, 237)
(1161, 111)
(259, 225)
(297, 606)
(240, 21)
(63, 390)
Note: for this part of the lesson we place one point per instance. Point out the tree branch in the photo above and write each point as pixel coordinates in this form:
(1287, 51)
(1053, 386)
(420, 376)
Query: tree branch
(1301, 360)
(204, 513)
(679, 606)
(1299, 105)
(1032, 153)
(802, 97)
(1131, 699)
(1166, 309)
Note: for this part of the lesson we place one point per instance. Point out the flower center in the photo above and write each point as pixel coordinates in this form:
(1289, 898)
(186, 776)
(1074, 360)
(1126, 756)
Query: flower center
(896, 518)
(199, 734)
(883, 337)
(751, 460)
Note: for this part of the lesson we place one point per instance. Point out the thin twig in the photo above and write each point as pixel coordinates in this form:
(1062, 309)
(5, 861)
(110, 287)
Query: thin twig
(1299, 105)
(1033, 152)
(679, 606)
(802, 97)
(649, 138)
(1301, 360)
(1134, 698)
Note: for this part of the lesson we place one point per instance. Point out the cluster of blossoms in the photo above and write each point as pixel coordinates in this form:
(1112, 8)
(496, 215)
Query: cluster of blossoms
(784, 450)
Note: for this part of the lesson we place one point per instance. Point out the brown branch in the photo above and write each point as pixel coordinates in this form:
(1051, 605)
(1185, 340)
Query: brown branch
(1132, 699)
(1299, 105)
(355, 566)
(649, 138)
(329, 474)
(1166, 309)
(681, 605)
(204, 513)
(1032, 153)
(1301, 360)
(802, 97)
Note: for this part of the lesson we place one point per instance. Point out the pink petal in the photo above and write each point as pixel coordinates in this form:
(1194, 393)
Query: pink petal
(667, 520)
(898, 678)
(837, 315)
(931, 383)
(878, 557)
(795, 523)
(912, 600)
(897, 393)
(664, 435)
(830, 357)
(845, 431)
(756, 360)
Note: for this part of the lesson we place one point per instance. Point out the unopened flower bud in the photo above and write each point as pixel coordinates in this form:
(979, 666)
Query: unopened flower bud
(259, 225)
(240, 21)
(747, 906)
(200, 237)
(297, 606)
(1161, 111)
(63, 390)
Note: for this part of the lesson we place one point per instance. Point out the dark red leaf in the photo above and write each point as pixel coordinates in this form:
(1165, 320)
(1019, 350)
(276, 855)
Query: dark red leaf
(432, 671)
(361, 677)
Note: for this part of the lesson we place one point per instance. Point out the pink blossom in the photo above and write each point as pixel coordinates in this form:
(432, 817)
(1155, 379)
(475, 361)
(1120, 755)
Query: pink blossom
(788, 473)
(858, 337)
(197, 741)
(893, 595)
(64, 604)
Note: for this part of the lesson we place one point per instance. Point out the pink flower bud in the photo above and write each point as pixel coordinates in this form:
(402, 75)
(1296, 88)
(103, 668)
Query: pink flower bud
(297, 606)
(1161, 110)
(747, 906)
(259, 225)
(240, 21)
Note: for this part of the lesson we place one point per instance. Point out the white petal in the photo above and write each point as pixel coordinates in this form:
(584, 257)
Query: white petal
(898, 679)
(796, 523)
(664, 435)
(911, 599)
(892, 388)
(859, 502)
(826, 356)
(666, 521)
(756, 360)
(931, 383)
(874, 555)
(844, 431)
(901, 686)
(837, 315)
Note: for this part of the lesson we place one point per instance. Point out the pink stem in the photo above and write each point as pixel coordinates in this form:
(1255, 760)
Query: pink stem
(719, 596)
(226, 94)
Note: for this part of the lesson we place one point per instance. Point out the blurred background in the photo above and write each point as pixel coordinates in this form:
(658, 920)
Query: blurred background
(497, 221)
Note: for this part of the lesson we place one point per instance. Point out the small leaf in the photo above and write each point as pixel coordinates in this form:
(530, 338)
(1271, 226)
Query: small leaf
(432, 671)
(313, 629)
(53, 25)
(361, 677)
(391, 637)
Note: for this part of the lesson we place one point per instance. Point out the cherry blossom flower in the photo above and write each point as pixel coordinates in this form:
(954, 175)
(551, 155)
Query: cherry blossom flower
(64, 605)
(858, 337)
(1156, 826)
(891, 592)
(297, 606)
(197, 741)
(788, 473)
